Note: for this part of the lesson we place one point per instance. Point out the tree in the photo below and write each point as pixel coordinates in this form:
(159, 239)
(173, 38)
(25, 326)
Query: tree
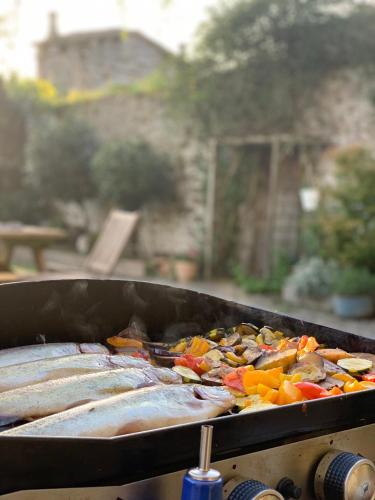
(259, 63)
(130, 175)
(346, 220)
(60, 154)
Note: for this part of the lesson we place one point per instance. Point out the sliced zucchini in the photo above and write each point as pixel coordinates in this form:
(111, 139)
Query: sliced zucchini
(355, 365)
(187, 374)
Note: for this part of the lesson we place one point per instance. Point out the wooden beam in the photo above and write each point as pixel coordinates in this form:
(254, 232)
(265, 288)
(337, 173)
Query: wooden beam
(210, 210)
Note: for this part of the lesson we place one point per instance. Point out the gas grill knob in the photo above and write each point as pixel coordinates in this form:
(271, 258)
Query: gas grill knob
(242, 489)
(344, 476)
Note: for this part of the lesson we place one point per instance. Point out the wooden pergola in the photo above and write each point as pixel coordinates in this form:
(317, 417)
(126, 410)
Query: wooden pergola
(275, 141)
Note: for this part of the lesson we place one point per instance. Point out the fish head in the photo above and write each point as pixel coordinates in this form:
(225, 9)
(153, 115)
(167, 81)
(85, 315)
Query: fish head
(217, 395)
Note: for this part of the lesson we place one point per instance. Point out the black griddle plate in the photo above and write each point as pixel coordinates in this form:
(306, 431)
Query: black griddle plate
(91, 311)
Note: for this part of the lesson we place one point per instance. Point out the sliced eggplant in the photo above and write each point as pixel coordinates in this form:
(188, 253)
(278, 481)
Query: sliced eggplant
(252, 354)
(214, 355)
(246, 329)
(331, 368)
(231, 341)
(187, 374)
(268, 335)
(310, 367)
(355, 365)
(273, 360)
(331, 382)
(209, 379)
(248, 341)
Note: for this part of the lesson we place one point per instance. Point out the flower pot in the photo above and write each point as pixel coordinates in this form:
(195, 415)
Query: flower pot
(185, 270)
(353, 306)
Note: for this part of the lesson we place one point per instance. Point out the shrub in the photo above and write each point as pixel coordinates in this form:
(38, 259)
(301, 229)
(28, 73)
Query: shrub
(60, 154)
(354, 281)
(312, 278)
(346, 219)
(273, 284)
(130, 175)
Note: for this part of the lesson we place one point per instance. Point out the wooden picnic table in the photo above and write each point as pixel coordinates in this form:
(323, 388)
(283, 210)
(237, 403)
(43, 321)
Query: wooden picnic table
(35, 237)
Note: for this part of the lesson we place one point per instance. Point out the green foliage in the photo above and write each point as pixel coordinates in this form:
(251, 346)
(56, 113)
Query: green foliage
(130, 175)
(273, 284)
(313, 278)
(346, 219)
(60, 154)
(25, 204)
(29, 94)
(354, 281)
(259, 63)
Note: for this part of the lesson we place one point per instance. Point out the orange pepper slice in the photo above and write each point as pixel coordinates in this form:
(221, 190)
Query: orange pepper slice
(271, 396)
(124, 342)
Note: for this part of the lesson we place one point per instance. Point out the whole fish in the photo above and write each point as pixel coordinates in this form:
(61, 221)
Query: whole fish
(140, 410)
(54, 396)
(34, 372)
(24, 354)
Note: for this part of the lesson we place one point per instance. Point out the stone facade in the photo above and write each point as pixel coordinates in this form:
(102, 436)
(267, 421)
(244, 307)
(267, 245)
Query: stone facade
(97, 59)
(124, 117)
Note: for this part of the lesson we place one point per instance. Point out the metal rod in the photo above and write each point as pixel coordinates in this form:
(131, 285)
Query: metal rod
(206, 444)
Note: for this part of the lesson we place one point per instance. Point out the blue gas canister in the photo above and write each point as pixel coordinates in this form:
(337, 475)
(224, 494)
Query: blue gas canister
(203, 483)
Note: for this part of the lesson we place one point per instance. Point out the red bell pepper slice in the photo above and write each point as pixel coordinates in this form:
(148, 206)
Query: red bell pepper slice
(234, 380)
(266, 347)
(312, 391)
(190, 362)
(369, 377)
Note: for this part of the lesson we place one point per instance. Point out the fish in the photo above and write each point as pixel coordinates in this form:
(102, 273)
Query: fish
(24, 354)
(33, 372)
(140, 410)
(54, 396)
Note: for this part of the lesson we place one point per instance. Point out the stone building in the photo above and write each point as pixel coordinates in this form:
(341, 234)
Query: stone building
(267, 221)
(82, 61)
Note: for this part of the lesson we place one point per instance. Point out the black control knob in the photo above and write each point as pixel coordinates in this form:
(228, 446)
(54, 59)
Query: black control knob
(288, 489)
(241, 489)
(344, 476)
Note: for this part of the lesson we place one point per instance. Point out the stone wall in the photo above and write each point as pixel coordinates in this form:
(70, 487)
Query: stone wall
(90, 60)
(163, 230)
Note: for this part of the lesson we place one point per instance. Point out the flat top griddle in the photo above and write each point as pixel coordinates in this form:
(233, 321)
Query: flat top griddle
(91, 311)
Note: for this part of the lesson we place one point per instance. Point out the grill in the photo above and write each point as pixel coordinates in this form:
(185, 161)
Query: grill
(91, 311)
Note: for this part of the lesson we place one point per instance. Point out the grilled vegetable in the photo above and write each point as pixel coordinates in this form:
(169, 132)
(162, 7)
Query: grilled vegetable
(211, 379)
(331, 382)
(256, 403)
(251, 354)
(310, 367)
(364, 355)
(333, 355)
(355, 365)
(331, 368)
(282, 359)
(187, 374)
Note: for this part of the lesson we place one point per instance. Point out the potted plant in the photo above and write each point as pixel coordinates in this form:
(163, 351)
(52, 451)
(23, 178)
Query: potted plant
(186, 267)
(354, 290)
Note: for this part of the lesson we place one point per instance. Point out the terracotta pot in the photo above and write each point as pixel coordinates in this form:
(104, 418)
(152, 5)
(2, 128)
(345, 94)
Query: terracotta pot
(185, 270)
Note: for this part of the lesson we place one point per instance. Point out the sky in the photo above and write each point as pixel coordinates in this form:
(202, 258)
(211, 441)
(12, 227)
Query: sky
(28, 23)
